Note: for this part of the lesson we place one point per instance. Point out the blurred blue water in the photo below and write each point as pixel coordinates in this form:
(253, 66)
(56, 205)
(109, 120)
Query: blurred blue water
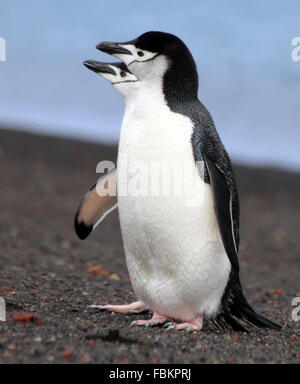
(243, 53)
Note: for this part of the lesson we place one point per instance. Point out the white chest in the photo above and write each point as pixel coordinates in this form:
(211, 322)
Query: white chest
(174, 252)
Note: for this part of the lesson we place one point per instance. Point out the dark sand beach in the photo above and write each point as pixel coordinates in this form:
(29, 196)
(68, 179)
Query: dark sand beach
(43, 266)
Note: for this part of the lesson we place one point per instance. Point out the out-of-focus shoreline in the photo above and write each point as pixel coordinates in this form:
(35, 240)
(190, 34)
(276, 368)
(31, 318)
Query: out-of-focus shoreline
(88, 138)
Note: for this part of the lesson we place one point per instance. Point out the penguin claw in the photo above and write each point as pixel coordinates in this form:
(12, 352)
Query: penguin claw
(190, 326)
(168, 324)
(93, 306)
(157, 319)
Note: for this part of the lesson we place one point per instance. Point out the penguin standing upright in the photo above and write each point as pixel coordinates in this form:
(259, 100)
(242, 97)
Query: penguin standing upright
(182, 260)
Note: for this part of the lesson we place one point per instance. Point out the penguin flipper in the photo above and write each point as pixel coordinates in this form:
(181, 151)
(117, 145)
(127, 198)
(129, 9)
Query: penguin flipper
(234, 305)
(99, 201)
(223, 208)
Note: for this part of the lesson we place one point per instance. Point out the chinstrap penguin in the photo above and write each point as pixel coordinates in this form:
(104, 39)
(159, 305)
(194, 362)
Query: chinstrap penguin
(101, 199)
(182, 260)
(95, 207)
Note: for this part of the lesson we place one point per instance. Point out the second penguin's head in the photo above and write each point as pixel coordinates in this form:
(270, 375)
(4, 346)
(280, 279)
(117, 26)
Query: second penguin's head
(118, 75)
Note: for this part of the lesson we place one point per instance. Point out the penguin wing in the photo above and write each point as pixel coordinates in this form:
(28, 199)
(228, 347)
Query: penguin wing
(99, 201)
(223, 203)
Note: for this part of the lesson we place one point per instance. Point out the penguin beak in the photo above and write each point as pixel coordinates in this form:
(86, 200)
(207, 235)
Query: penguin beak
(99, 67)
(113, 48)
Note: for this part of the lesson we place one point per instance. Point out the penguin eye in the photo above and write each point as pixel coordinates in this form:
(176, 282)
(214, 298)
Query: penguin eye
(123, 74)
(140, 53)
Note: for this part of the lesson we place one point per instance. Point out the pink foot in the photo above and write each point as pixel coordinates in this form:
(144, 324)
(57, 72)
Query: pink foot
(136, 307)
(193, 325)
(156, 319)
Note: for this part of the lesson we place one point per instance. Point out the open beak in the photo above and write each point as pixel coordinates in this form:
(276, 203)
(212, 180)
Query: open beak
(99, 67)
(113, 48)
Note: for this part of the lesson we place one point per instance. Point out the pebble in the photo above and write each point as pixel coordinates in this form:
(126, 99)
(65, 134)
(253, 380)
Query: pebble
(82, 327)
(114, 276)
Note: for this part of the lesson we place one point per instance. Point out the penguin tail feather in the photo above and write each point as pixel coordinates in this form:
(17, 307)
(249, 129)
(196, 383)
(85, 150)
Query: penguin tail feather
(234, 307)
(253, 318)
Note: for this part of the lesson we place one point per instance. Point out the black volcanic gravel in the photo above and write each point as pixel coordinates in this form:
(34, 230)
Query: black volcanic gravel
(43, 266)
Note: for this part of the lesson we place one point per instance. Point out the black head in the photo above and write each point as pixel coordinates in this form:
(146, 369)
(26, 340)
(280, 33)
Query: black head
(159, 55)
(162, 43)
